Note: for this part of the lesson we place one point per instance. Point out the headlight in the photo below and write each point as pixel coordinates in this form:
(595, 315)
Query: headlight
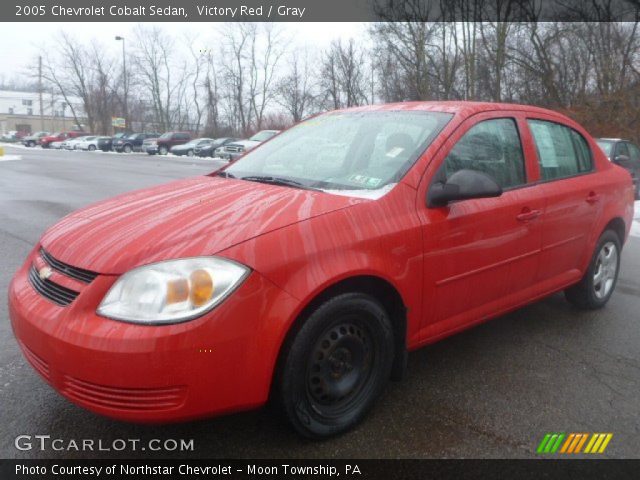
(172, 291)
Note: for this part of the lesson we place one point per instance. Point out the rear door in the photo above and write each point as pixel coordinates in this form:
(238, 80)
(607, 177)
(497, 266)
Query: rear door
(481, 255)
(574, 200)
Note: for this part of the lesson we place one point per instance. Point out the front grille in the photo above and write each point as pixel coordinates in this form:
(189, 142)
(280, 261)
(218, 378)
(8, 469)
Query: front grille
(58, 294)
(84, 276)
(233, 148)
(164, 398)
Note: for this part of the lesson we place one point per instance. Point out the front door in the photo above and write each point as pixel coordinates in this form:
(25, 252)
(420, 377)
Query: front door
(481, 255)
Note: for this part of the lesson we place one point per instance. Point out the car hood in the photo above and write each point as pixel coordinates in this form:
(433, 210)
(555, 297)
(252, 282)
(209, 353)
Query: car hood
(192, 217)
(244, 143)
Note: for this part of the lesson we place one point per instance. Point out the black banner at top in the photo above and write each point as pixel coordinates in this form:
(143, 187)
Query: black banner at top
(318, 10)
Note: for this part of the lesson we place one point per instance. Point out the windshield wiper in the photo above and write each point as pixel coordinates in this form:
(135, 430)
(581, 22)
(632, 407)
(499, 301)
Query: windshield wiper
(285, 182)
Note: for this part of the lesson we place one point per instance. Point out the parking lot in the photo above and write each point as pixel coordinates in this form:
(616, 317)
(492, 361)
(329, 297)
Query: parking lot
(490, 392)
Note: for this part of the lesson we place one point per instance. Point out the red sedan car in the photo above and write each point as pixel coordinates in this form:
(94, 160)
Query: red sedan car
(306, 270)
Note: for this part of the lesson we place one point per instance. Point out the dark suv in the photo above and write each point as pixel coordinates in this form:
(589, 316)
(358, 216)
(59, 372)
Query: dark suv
(132, 142)
(166, 141)
(625, 154)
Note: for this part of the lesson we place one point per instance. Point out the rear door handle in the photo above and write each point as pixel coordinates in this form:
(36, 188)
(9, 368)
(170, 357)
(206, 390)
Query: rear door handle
(593, 197)
(528, 215)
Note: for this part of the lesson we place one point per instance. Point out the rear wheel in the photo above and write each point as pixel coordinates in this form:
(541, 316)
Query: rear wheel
(599, 281)
(189, 153)
(31, 143)
(126, 149)
(92, 148)
(162, 150)
(336, 365)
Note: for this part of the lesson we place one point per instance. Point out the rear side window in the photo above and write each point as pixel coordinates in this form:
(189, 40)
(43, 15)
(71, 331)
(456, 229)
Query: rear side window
(622, 149)
(634, 152)
(562, 152)
(492, 147)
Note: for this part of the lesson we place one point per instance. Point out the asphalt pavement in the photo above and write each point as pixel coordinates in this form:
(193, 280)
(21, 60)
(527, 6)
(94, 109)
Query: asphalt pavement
(491, 392)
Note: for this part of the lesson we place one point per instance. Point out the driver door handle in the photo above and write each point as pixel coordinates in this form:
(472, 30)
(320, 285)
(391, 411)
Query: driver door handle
(527, 215)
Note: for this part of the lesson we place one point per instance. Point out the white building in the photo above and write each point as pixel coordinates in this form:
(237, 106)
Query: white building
(20, 111)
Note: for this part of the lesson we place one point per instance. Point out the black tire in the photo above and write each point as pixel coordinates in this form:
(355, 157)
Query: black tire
(189, 153)
(592, 293)
(126, 149)
(335, 365)
(31, 143)
(162, 150)
(92, 148)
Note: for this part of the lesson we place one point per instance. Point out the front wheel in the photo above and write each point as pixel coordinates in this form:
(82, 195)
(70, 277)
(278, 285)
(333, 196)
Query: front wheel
(599, 281)
(336, 365)
(92, 148)
(189, 153)
(126, 149)
(31, 143)
(163, 150)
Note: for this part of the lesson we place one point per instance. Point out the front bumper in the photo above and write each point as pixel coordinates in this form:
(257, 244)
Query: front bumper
(231, 155)
(218, 363)
(151, 149)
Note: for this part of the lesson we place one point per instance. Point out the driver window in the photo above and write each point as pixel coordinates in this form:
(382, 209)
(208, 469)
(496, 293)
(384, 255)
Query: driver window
(492, 147)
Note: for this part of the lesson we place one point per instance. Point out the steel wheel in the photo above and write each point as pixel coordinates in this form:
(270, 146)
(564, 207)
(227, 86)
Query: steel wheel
(606, 270)
(339, 367)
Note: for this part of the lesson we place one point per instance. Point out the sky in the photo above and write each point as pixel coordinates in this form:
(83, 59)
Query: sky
(21, 42)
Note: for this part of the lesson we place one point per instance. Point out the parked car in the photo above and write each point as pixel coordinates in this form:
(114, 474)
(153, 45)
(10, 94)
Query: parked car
(59, 137)
(164, 142)
(55, 145)
(133, 142)
(74, 143)
(34, 139)
(149, 143)
(188, 148)
(91, 143)
(307, 274)
(105, 144)
(209, 149)
(236, 149)
(10, 135)
(625, 154)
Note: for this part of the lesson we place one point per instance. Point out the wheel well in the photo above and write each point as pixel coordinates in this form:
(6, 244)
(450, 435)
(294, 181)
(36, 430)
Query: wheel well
(618, 226)
(378, 288)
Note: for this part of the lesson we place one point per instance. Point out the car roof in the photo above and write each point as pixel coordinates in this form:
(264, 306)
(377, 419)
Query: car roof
(465, 108)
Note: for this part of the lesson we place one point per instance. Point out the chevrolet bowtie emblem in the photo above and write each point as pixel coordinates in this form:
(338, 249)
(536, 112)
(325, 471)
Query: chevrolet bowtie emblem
(44, 273)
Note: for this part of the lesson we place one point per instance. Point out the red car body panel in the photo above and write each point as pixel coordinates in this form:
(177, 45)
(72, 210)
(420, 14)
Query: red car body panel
(453, 267)
(45, 141)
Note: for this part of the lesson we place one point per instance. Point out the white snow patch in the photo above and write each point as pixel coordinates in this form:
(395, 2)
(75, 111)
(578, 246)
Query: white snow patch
(14, 145)
(363, 193)
(635, 226)
(7, 158)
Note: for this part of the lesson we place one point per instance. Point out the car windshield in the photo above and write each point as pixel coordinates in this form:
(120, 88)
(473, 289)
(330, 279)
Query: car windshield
(353, 151)
(262, 136)
(606, 146)
(166, 136)
(133, 136)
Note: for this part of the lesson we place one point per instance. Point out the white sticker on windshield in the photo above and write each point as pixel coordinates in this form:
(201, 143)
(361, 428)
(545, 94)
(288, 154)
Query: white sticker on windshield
(394, 152)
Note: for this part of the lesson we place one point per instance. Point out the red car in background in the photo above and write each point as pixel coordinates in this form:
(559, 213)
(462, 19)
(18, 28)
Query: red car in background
(306, 270)
(59, 137)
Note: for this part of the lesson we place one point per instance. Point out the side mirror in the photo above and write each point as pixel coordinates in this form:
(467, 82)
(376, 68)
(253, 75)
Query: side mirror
(463, 185)
(621, 159)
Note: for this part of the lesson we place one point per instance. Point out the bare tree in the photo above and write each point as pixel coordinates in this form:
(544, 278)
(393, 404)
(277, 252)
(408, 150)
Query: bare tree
(295, 90)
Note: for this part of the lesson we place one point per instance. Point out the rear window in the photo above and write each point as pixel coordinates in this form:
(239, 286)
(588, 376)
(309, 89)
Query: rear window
(562, 152)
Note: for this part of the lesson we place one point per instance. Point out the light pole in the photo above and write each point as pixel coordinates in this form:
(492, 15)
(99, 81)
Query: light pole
(124, 79)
